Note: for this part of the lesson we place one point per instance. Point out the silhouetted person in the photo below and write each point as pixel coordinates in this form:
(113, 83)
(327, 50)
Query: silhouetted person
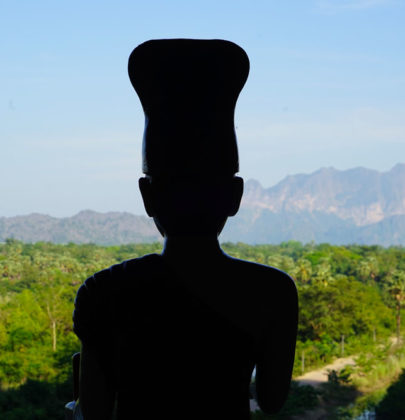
(179, 334)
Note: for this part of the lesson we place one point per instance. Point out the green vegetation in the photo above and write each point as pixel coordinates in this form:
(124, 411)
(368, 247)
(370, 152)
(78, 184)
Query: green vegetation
(300, 399)
(392, 405)
(351, 299)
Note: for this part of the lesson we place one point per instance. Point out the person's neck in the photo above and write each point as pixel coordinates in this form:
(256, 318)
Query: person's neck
(186, 247)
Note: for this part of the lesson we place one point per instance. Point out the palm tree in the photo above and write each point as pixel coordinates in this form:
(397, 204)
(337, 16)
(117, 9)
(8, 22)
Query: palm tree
(396, 289)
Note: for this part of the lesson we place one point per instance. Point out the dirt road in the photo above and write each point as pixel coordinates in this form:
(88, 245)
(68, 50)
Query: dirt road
(315, 378)
(320, 376)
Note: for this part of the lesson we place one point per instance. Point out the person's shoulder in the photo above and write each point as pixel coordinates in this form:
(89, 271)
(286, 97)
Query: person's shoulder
(263, 276)
(138, 265)
(267, 291)
(107, 279)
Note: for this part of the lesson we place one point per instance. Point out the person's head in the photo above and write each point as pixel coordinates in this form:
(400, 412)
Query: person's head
(196, 205)
(188, 89)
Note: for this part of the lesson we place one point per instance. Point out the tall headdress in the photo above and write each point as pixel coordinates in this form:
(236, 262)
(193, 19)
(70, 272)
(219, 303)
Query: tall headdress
(188, 89)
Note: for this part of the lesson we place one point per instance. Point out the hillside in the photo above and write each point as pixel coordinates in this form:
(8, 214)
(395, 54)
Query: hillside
(354, 206)
(363, 196)
(86, 226)
(340, 207)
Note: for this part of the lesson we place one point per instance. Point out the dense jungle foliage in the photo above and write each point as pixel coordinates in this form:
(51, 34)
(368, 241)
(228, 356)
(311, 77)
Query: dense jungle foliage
(350, 296)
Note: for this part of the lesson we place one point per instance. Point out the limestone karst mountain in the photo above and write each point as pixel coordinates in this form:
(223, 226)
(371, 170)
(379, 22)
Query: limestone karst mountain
(361, 195)
(358, 205)
(354, 206)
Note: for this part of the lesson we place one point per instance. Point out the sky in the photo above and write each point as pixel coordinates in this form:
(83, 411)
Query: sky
(326, 88)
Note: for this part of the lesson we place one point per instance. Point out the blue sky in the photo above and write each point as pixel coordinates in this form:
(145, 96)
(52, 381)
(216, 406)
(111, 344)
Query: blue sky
(326, 88)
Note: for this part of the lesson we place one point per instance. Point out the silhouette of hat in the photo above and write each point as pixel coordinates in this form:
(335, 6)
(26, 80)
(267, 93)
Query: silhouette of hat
(188, 90)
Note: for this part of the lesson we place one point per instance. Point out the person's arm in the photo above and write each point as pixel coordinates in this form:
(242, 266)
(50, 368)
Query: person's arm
(96, 394)
(276, 355)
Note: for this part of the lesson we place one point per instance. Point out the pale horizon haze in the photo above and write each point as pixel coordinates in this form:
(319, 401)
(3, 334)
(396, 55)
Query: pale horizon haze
(326, 88)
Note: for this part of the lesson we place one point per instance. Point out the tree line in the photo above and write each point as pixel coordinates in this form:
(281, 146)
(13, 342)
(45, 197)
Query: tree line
(349, 296)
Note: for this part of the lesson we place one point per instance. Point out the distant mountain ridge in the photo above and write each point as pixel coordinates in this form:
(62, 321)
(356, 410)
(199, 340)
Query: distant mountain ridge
(362, 195)
(354, 206)
(358, 205)
(87, 226)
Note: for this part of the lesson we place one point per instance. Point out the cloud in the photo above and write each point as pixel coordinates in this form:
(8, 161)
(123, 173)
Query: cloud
(336, 6)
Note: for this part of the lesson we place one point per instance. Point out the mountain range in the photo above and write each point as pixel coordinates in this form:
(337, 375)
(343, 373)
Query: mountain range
(358, 205)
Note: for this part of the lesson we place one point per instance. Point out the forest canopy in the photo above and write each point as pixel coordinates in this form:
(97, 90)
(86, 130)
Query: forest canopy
(347, 294)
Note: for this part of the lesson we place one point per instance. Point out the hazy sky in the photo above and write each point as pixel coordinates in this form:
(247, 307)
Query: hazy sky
(326, 88)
